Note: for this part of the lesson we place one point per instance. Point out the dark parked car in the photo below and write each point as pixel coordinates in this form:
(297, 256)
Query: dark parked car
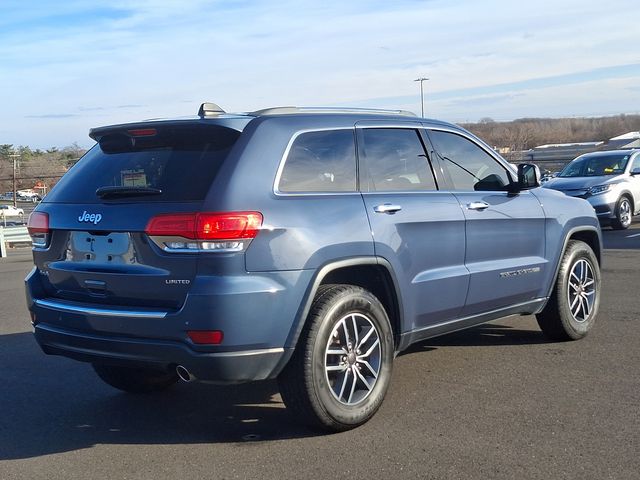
(609, 181)
(307, 245)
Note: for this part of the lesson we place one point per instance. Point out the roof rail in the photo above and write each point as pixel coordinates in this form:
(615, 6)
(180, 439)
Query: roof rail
(208, 109)
(290, 110)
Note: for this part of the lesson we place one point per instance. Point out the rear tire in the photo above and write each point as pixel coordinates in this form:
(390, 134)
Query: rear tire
(573, 306)
(136, 380)
(341, 368)
(624, 214)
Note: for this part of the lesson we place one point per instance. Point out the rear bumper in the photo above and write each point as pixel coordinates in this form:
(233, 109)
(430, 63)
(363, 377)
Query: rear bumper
(219, 367)
(255, 312)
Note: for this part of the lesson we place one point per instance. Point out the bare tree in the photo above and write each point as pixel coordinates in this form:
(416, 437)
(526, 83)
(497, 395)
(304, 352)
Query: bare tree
(526, 133)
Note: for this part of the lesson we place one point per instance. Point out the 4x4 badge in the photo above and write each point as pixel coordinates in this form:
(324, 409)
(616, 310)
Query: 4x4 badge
(90, 217)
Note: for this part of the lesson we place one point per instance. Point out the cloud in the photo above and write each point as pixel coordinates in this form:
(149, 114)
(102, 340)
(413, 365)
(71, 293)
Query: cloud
(130, 59)
(483, 100)
(108, 108)
(587, 76)
(52, 115)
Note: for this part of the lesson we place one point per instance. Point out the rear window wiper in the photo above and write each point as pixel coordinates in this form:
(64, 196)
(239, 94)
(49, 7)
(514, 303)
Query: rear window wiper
(112, 192)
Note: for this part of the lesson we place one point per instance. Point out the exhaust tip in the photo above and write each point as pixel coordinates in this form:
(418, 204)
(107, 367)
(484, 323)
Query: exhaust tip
(184, 374)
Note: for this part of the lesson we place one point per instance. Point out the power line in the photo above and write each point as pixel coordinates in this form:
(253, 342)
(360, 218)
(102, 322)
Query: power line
(30, 178)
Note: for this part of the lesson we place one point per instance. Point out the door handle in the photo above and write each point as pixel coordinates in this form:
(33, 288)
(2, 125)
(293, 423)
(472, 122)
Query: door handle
(387, 208)
(477, 205)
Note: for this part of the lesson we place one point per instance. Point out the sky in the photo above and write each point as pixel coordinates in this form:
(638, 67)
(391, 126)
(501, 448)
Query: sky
(69, 65)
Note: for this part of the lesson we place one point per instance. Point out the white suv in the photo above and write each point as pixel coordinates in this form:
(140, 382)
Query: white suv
(609, 181)
(10, 211)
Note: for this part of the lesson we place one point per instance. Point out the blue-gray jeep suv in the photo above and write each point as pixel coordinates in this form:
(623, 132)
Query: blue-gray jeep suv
(307, 245)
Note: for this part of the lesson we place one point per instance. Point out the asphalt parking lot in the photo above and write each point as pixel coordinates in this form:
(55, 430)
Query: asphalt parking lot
(494, 402)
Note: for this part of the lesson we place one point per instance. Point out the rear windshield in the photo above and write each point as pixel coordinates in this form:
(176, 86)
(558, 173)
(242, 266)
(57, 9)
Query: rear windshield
(595, 166)
(178, 163)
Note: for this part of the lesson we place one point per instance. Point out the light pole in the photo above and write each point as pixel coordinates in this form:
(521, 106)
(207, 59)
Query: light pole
(15, 157)
(421, 80)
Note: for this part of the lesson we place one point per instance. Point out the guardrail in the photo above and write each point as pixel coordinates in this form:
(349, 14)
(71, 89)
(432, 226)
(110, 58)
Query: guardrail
(10, 235)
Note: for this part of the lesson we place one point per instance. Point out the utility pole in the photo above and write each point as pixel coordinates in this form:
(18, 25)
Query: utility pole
(421, 80)
(15, 157)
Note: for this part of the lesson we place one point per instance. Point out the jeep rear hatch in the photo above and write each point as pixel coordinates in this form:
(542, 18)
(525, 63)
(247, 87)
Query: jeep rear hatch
(95, 222)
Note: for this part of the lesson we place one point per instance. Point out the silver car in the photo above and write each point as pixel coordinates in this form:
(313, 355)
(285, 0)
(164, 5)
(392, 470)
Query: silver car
(609, 181)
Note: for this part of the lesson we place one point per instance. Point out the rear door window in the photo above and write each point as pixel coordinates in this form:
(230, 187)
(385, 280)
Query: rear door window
(322, 161)
(179, 162)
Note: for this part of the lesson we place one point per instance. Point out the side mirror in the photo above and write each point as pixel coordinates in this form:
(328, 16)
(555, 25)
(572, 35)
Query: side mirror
(528, 176)
(635, 171)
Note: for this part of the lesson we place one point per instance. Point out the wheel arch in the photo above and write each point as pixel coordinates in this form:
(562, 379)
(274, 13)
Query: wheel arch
(372, 273)
(629, 195)
(587, 234)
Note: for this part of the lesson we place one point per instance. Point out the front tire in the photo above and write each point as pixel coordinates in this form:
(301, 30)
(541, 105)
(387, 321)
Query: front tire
(573, 306)
(624, 214)
(340, 371)
(136, 380)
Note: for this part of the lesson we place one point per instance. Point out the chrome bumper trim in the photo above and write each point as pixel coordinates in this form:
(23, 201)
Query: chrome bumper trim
(104, 312)
(246, 353)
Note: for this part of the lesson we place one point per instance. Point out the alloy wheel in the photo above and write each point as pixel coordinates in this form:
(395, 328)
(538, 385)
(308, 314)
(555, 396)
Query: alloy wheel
(582, 290)
(353, 358)
(625, 212)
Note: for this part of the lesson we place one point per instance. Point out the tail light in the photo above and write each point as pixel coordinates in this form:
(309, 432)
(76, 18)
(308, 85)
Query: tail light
(38, 226)
(214, 232)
